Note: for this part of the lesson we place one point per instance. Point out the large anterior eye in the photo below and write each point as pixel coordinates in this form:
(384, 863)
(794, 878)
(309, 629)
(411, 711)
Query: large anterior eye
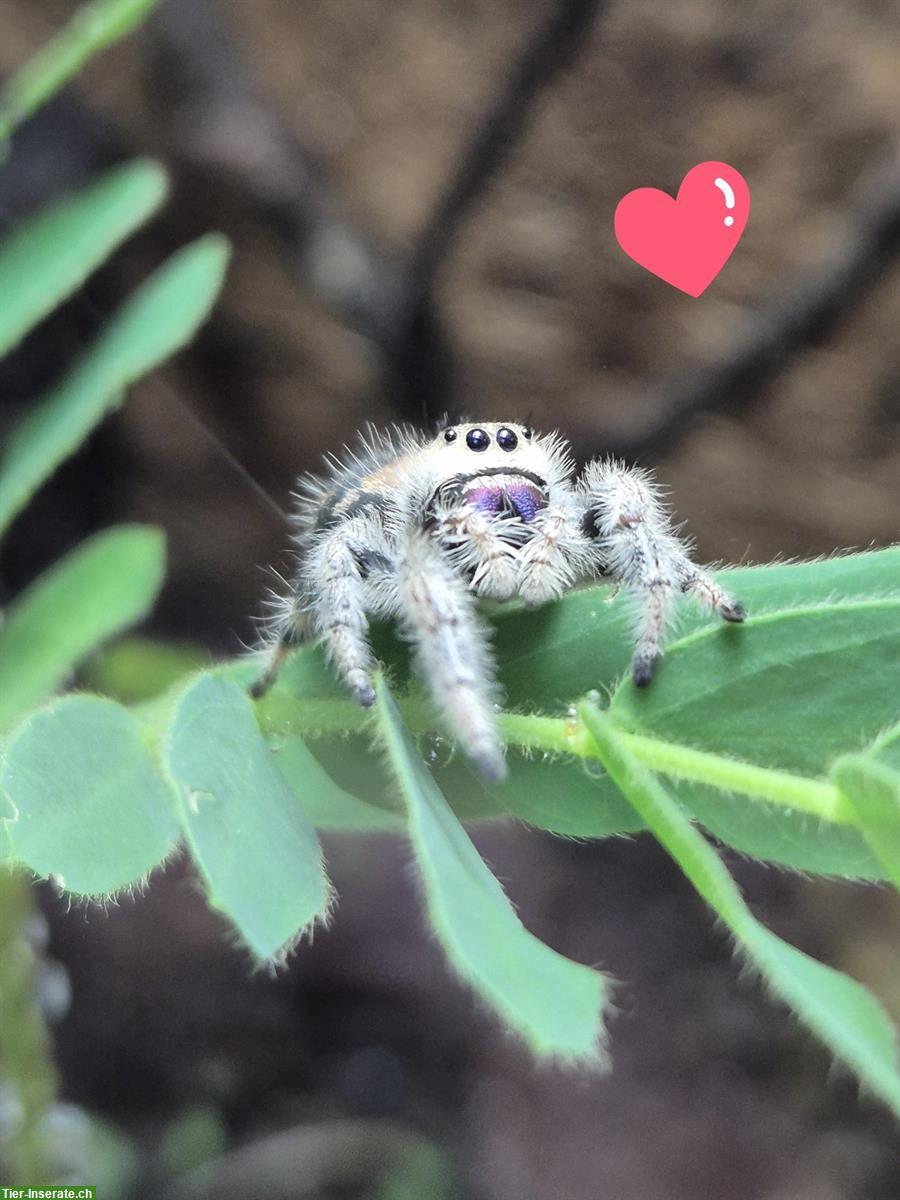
(506, 439)
(477, 439)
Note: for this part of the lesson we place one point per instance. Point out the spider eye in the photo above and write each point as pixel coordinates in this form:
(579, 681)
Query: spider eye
(477, 439)
(527, 433)
(449, 435)
(506, 439)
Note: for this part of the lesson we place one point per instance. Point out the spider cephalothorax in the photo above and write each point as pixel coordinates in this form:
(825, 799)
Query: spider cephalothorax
(417, 527)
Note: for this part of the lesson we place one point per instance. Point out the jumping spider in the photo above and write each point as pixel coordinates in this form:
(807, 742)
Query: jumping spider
(418, 527)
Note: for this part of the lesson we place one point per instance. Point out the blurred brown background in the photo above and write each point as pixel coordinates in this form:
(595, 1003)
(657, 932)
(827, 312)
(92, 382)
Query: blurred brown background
(378, 276)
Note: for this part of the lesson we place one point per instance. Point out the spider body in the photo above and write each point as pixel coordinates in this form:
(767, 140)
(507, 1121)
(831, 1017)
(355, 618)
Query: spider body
(417, 528)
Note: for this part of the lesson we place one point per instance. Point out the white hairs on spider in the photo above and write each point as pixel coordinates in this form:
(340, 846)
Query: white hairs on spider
(417, 527)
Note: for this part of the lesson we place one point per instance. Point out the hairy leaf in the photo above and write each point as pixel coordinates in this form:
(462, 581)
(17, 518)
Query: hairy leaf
(871, 783)
(556, 1005)
(781, 835)
(326, 804)
(840, 1011)
(541, 652)
(87, 802)
(551, 656)
(789, 690)
(256, 850)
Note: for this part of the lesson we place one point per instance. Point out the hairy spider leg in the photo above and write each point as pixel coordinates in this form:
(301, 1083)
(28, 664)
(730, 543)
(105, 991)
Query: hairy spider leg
(451, 648)
(639, 547)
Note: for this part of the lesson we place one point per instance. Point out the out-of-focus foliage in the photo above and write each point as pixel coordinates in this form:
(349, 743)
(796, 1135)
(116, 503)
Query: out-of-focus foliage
(158, 320)
(96, 591)
(93, 28)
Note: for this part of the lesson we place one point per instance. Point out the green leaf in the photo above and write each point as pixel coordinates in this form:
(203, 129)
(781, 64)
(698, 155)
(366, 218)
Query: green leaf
(258, 854)
(327, 805)
(93, 28)
(871, 784)
(840, 1011)
(550, 656)
(557, 794)
(781, 835)
(789, 690)
(104, 586)
(159, 319)
(55, 252)
(560, 795)
(88, 803)
(556, 1005)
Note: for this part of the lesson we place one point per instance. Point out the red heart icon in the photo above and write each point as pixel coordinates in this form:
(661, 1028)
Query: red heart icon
(686, 241)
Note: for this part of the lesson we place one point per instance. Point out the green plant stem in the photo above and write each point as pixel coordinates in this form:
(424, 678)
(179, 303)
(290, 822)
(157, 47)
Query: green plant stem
(664, 818)
(837, 1009)
(819, 798)
(282, 714)
(92, 29)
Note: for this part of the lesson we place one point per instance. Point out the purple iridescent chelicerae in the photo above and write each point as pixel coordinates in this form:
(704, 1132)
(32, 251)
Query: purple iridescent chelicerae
(524, 499)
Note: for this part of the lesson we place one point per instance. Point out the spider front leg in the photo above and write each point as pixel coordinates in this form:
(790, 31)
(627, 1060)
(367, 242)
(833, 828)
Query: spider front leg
(638, 547)
(474, 544)
(451, 649)
(330, 604)
(556, 555)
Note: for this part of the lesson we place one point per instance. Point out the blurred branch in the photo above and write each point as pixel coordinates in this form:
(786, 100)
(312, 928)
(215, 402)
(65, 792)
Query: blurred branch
(550, 50)
(221, 126)
(864, 250)
(223, 129)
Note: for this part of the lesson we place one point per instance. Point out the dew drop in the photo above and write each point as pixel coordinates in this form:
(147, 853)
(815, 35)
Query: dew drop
(592, 768)
(437, 750)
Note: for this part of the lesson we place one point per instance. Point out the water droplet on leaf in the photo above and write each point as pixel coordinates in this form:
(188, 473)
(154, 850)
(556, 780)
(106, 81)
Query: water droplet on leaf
(435, 749)
(592, 768)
